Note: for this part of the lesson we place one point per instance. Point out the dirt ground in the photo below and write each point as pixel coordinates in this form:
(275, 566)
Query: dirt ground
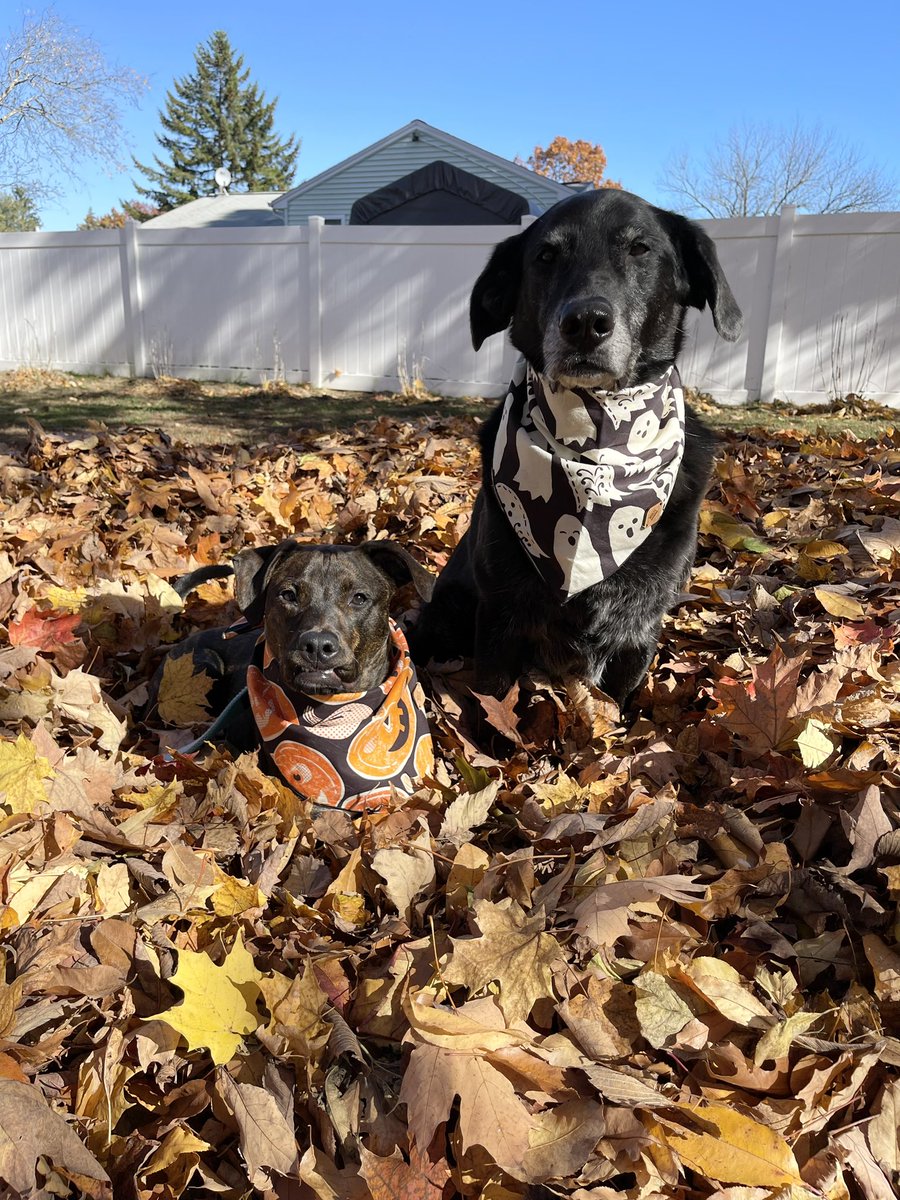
(226, 413)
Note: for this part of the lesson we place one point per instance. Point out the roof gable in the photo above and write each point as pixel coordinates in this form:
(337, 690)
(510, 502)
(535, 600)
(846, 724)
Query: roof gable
(554, 191)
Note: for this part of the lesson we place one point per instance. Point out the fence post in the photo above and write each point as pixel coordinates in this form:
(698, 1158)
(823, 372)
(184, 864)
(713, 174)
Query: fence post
(316, 225)
(781, 271)
(132, 301)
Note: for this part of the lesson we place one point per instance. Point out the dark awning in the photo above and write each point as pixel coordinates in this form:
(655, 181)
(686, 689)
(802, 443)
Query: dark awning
(439, 194)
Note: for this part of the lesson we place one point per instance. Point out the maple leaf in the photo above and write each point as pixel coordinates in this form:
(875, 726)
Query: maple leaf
(22, 774)
(502, 713)
(219, 1006)
(395, 1179)
(44, 631)
(759, 714)
(490, 1113)
(183, 693)
(513, 950)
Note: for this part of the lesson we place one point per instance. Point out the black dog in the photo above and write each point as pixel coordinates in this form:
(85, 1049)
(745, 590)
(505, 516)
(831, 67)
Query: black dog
(594, 294)
(325, 614)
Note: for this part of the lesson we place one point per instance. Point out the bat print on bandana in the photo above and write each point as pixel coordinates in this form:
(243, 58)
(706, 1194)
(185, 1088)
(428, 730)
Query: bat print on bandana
(580, 511)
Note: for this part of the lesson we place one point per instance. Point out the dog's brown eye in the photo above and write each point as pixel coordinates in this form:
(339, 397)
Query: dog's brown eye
(288, 595)
(547, 254)
(637, 249)
(358, 599)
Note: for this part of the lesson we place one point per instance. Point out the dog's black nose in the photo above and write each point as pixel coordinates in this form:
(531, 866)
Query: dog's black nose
(585, 323)
(318, 646)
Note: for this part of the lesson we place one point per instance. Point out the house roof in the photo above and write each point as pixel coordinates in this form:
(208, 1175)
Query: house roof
(228, 210)
(555, 191)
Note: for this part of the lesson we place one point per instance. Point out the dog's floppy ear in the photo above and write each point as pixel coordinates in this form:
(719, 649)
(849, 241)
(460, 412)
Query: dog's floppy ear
(496, 290)
(252, 569)
(705, 279)
(399, 565)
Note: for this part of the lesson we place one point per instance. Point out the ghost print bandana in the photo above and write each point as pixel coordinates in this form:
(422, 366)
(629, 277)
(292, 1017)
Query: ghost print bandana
(583, 474)
(344, 751)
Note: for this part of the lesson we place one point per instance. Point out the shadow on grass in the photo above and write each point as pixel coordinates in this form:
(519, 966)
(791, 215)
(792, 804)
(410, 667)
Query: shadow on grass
(231, 413)
(208, 412)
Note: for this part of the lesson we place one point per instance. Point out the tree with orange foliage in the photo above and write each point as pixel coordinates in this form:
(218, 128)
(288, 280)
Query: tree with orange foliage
(570, 162)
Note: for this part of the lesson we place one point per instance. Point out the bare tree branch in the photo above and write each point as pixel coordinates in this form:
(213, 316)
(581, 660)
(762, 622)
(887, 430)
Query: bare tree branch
(757, 169)
(61, 103)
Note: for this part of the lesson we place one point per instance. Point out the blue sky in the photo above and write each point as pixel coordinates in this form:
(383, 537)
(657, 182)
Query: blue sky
(643, 80)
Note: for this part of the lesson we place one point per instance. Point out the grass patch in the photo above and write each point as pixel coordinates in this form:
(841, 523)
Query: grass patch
(230, 413)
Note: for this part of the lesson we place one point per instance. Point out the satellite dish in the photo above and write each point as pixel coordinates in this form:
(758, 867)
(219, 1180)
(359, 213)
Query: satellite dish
(223, 179)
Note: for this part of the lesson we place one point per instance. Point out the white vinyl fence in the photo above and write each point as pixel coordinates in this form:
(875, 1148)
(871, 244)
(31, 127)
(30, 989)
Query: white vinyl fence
(376, 307)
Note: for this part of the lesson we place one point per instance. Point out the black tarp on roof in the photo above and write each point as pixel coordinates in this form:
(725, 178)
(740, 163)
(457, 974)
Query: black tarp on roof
(439, 194)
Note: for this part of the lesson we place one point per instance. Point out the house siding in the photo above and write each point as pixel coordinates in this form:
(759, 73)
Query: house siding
(336, 196)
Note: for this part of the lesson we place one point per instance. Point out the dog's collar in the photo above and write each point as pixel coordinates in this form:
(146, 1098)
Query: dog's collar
(343, 751)
(583, 474)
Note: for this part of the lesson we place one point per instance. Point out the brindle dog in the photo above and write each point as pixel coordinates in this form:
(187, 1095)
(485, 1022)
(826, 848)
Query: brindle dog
(324, 610)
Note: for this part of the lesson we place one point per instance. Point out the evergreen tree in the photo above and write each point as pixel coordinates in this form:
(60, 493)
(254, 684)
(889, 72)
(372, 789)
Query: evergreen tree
(215, 118)
(18, 213)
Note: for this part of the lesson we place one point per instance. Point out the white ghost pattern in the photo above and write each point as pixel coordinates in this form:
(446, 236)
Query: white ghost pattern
(573, 421)
(643, 432)
(535, 473)
(626, 532)
(518, 518)
(575, 553)
(592, 484)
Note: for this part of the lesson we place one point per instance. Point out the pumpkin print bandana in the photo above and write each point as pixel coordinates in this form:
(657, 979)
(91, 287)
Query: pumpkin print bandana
(584, 474)
(345, 750)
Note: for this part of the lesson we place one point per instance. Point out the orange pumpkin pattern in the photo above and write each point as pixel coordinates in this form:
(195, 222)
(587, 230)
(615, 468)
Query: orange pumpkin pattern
(342, 761)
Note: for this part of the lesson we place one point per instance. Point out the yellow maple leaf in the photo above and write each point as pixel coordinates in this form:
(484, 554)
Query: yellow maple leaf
(219, 1005)
(183, 693)
(732, 1148)
(22, 774)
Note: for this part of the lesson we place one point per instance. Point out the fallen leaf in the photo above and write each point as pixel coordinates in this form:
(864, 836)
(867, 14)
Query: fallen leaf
(29, 1130)
(732, 1148)
(267, 1136)
(183, 693)
(513, 950)
(219, 1006)
(22, 774)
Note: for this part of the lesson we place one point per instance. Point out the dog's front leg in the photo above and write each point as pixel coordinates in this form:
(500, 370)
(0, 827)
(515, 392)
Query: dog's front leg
(624, 671)
(499, 655)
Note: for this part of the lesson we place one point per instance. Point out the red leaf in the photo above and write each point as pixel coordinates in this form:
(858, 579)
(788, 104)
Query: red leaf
(44, 630)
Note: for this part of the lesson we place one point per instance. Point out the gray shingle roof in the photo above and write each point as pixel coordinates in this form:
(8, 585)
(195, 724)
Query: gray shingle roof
(231, 211)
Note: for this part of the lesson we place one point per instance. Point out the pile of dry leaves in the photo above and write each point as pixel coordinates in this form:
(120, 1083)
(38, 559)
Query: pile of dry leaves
(637, 956)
